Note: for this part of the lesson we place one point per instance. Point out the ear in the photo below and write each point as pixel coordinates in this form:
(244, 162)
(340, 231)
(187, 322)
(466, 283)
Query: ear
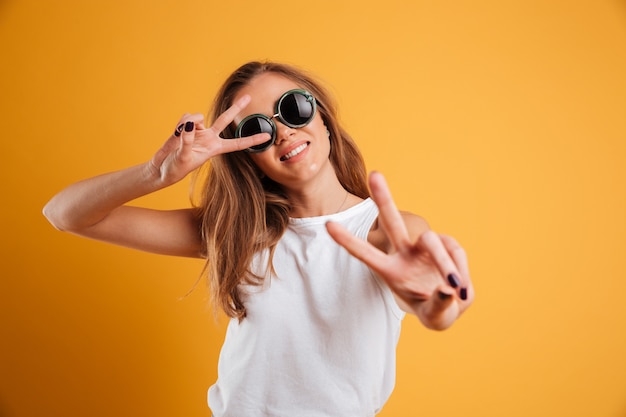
(326, 127)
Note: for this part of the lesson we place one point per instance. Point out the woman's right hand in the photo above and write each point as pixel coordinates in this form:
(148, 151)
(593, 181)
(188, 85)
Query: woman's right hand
(192, 144)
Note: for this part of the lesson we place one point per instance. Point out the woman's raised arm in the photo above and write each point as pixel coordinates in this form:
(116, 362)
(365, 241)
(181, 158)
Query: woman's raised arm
(96, 208)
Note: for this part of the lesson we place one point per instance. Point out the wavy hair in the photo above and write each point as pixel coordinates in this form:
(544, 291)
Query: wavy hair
(240, 212)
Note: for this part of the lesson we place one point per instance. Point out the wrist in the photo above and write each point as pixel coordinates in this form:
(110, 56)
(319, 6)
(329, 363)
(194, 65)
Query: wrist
(153, 177)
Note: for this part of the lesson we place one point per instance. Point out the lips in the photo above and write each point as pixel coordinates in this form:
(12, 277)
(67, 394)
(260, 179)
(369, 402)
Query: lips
(294, 152)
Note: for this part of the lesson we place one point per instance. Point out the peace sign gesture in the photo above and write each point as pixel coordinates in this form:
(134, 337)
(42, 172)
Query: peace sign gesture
(427, 273)
(192, 144)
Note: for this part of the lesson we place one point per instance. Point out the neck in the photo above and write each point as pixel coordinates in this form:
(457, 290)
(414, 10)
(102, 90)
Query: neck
(319, 199)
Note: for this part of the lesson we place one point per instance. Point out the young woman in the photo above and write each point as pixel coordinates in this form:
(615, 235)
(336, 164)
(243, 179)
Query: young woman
(315, 274)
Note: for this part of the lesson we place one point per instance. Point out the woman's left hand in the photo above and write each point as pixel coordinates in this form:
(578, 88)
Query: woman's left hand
(428, 274)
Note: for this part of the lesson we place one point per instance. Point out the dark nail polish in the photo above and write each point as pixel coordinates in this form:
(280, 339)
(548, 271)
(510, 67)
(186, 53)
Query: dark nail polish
(463, 294)
(189, 126)
(453, 280)
(179, 129)
(443, 296)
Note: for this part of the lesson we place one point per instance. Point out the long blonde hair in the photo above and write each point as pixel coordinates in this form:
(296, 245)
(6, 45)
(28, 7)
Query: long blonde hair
(242, 213)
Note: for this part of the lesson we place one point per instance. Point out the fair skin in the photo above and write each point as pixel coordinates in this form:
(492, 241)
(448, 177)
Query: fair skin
(308, 177)
(414, 261)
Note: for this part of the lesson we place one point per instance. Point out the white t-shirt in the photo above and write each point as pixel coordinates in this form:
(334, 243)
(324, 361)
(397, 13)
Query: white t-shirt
(320, 336)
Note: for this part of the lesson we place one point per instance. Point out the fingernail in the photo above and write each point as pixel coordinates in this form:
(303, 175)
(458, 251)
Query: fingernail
(443, 296)
(179, 129)
(463, 294)
(189, 126)
(453, 280)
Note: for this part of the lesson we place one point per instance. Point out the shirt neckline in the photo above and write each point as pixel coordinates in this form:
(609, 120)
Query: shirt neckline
(302, 221)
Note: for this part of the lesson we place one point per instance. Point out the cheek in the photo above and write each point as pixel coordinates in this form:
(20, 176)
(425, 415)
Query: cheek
(318, 129)
(261, 160)
(321, 132)
(319, 124)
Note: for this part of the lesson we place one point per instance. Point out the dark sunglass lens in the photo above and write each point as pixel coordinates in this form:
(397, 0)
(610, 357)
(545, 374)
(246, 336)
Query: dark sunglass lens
(296, 109)
(254, 126)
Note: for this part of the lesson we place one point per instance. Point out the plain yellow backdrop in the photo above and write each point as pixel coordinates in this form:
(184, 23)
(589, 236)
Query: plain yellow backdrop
(501, 122)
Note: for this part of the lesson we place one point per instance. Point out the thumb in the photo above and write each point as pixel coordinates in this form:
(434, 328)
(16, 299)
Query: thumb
(170, 146)
(440, 310)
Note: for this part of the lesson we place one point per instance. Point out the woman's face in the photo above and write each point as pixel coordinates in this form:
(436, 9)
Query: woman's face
(298, 155)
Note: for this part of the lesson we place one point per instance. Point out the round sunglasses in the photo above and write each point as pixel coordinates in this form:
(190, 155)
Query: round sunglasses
(296, 108)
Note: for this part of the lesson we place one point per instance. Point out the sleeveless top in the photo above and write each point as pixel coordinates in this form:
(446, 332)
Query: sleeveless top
(320, 334)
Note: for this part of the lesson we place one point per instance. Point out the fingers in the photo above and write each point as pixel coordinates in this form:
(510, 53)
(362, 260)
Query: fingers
(358, 248)
(179, 130)
(229, 115)
(226, 118)
(448, 267)
(220, 123)
(197, 119)
(189, 124)
(239, 144)
(180, 140)
(390, 218)
(189, 127)
(458, 255)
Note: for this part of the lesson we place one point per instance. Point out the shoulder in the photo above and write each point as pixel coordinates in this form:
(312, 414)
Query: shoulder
(415, 225)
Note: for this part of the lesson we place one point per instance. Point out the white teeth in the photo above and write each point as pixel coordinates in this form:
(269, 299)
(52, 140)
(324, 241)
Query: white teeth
(294, 152)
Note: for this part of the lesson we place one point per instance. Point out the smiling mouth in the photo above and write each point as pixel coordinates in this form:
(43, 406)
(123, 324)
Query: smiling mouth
(294, 152)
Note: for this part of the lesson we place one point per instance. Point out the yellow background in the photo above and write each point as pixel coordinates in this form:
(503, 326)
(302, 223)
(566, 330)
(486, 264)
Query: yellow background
(502, 122)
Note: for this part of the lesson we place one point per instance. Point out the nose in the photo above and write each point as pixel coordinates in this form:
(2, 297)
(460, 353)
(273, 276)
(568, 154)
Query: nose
(283, 132)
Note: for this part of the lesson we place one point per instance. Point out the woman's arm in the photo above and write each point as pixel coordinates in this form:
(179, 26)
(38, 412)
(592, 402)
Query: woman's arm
(96, 208)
